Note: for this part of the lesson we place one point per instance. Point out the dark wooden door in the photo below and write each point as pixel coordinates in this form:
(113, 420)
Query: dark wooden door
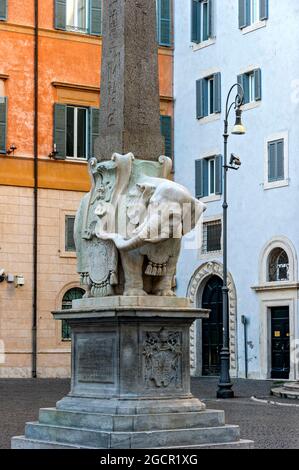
(280, 342)
(212, 327)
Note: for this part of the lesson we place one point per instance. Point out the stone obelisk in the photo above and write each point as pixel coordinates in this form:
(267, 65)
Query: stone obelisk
(130, 106)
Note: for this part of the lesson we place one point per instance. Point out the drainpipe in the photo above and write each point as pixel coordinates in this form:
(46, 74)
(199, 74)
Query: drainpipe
(35, 194)
(245, 322)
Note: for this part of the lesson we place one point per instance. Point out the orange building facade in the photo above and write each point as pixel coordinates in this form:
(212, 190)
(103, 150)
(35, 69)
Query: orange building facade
(49, 56)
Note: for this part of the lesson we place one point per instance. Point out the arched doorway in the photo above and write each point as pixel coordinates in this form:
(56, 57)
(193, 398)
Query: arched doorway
(212, 327)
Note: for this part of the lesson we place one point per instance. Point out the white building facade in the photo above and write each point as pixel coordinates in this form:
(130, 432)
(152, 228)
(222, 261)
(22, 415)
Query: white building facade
(253, 42)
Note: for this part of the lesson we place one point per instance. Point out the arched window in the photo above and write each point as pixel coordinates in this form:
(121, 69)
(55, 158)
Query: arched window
(69, 296)
(278, 266)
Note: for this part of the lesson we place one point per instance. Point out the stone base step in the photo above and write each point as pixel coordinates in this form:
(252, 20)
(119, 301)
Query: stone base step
(21, 442)
(285, 392)
(131, 423)
(131, 440)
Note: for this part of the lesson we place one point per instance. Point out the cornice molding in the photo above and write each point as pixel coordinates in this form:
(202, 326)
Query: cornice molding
(76, 86)
(276, 286)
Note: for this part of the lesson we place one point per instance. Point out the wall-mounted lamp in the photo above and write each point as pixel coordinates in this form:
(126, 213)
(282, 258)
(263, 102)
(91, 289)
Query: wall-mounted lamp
(11, 149)
(2, 275)
(10, 278)
(19, 280)
(54, 152)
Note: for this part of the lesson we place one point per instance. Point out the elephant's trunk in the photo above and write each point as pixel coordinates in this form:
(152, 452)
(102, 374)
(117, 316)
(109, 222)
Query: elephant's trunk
(129, 245)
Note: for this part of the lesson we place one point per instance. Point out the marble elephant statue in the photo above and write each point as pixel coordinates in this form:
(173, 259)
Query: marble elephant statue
(158, 216)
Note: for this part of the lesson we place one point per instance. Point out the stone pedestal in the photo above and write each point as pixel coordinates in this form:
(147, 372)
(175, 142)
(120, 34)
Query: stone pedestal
(288, 390)
(130, 381)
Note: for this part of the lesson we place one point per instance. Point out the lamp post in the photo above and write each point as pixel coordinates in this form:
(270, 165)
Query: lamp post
(225, 384)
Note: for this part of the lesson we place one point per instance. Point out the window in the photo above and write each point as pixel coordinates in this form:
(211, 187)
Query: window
(201, 20)
(212, 232)
(75, 131)
(252, 12)
(84, 16)
(164, 27)
(208, 176)
(77, 15)
(278, 269)
(69, 296)
(276, 161)
(208, 96)
(69, 233)
(166, 131)
(252, 85)
(3, 10)
(3, 124)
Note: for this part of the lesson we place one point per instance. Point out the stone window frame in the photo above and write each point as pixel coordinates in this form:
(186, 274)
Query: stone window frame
(62, 251)
(285, 244)
(283, 135)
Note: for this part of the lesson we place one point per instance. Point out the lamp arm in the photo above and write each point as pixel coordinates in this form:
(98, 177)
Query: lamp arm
(239, 99)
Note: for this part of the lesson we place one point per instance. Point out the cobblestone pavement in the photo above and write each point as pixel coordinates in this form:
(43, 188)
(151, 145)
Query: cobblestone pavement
(270, 426)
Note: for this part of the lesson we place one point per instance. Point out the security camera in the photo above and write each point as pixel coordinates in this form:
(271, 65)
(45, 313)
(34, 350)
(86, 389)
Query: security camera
(235, 160)
(2, 275)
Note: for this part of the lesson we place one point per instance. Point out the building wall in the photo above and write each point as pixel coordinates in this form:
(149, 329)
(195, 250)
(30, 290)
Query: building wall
(69, 72)
(256, 215)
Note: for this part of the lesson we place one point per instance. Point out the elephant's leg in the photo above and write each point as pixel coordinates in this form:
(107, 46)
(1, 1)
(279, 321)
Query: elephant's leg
(164, 284)
(132, 263)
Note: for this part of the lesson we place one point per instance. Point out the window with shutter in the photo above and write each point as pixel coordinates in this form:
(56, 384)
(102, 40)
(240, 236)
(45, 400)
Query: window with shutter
(276, 161)
(83, 16)
(3, 124)
(94, 129)
(252, 85)
(164, 22)
(3, 10)
(201, 20)
(252, 12)
(208, 95)
(208, 176)
(166, 131)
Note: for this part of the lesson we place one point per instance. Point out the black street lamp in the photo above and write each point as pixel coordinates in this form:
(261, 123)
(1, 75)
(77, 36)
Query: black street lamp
(225, 384)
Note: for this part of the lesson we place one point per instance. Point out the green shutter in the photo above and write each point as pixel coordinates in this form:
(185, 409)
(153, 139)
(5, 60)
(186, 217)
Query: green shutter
(280, 160)
(217, 93)
(258, 84)
(276, 160)
(199, 179)
(200, 99)
(95, 21)
(3, 9)
(60, 130)
(240, 80)
(166, 131)
(60, 14)
(3, 124)
(264, 9)
(94, 129)
(210, 18)
(164, 22)
(218, 174)
(243, 13)
(243, 80)
(195, 21)
(271, 161)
